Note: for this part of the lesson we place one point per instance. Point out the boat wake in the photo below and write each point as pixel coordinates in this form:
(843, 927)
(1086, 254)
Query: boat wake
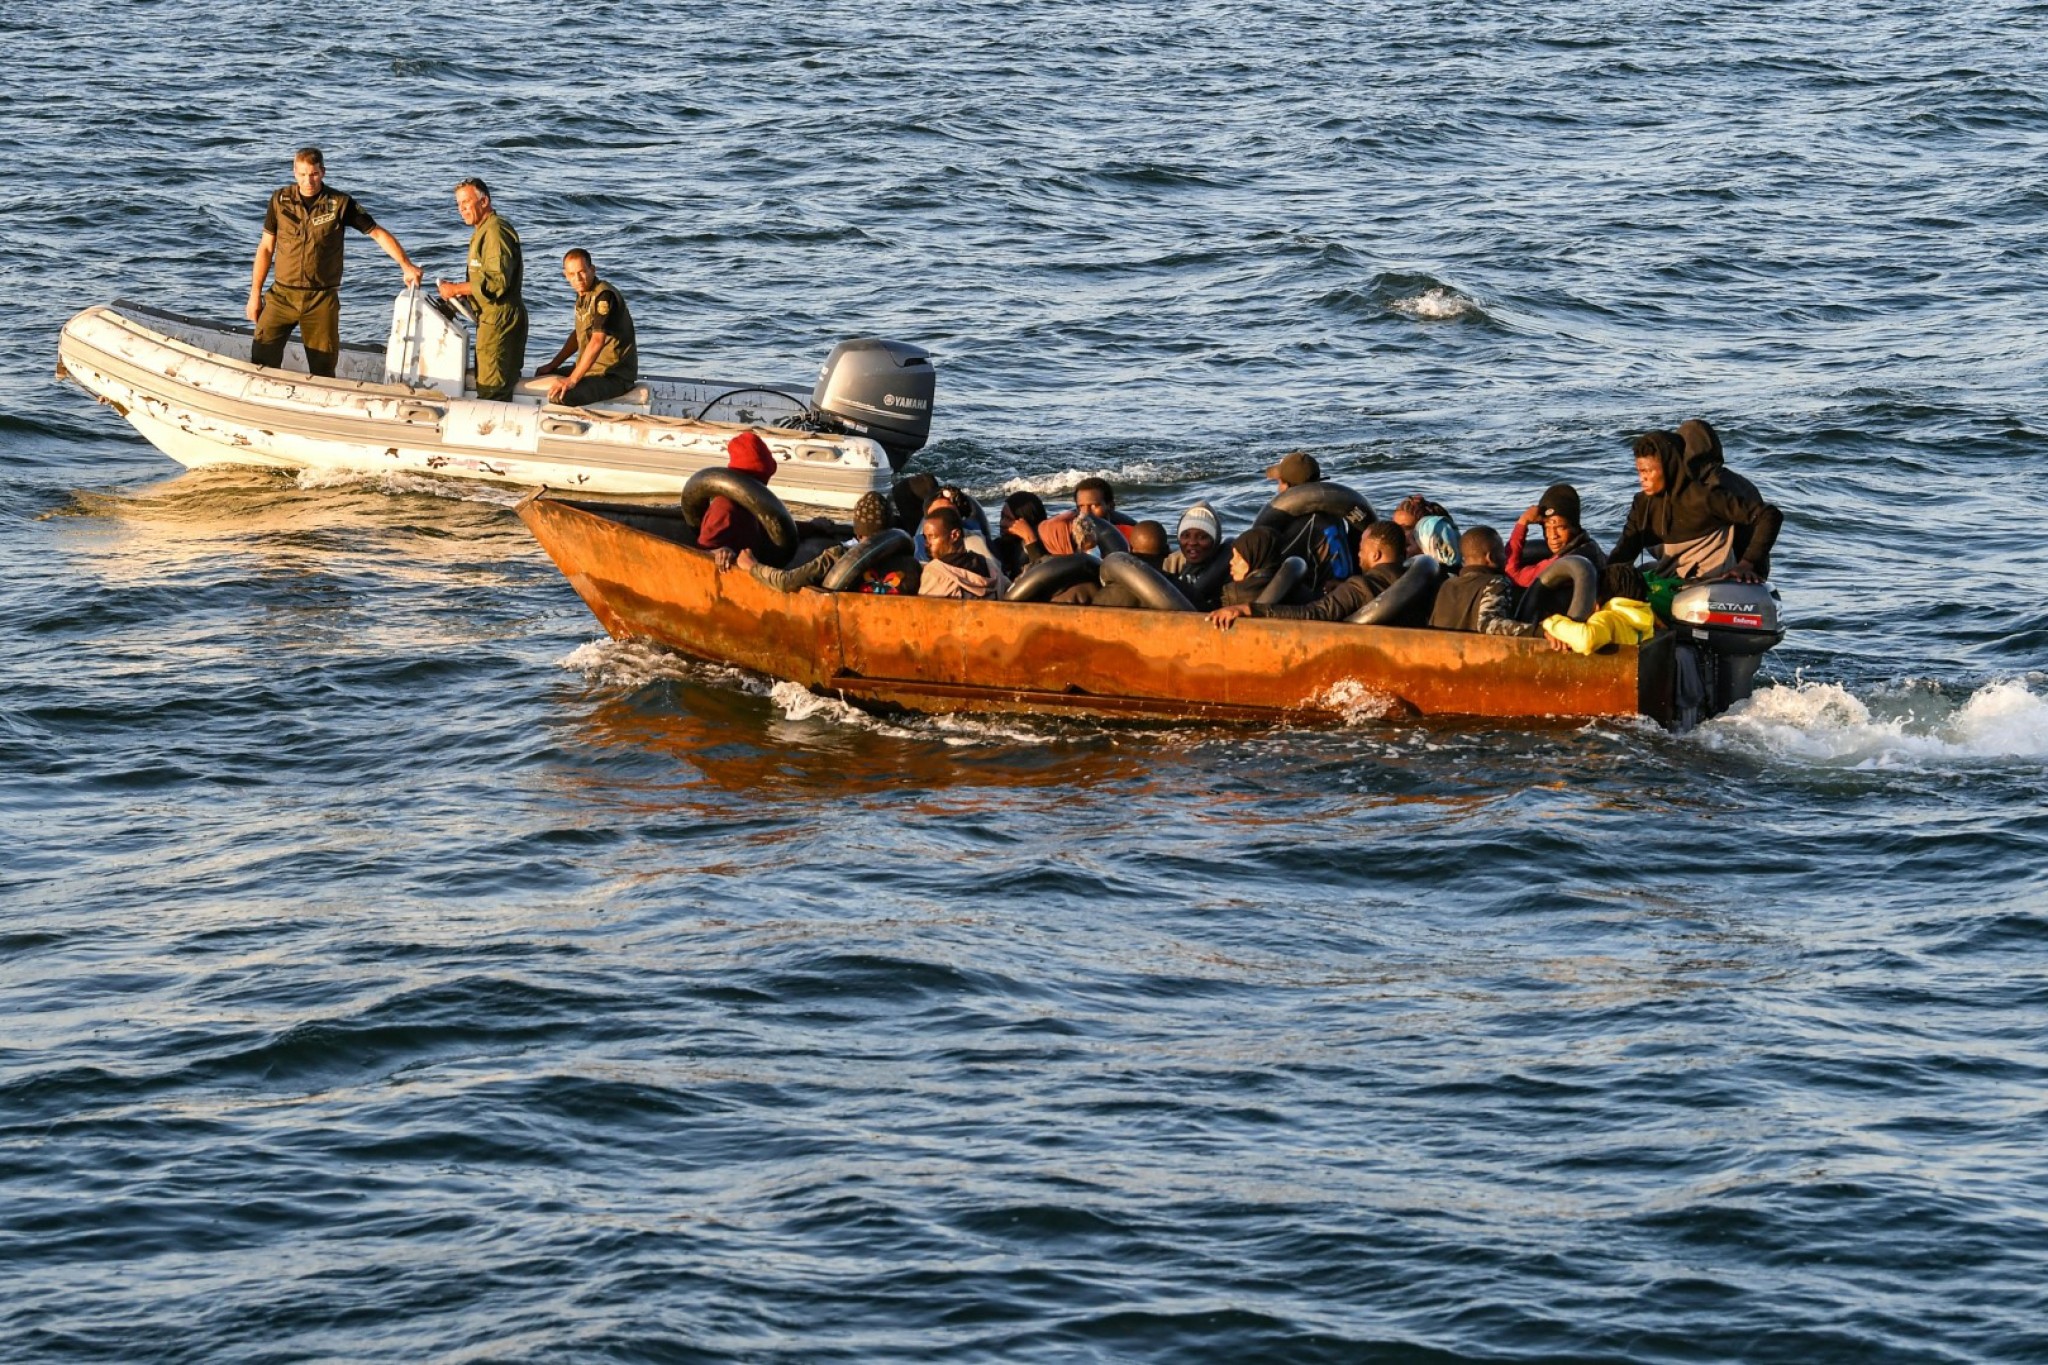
(395, 481)
(1914, 725)
(633, 664)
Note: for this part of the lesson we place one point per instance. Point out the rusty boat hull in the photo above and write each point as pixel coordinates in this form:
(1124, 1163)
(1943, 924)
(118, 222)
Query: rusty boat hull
(943, 655)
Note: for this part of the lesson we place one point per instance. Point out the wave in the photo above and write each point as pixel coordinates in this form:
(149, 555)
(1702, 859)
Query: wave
(1914, 725)
(1439, 303)
(390, 481)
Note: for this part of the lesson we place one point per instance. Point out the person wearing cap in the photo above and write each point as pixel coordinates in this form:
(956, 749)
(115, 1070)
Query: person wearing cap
(1557, 511)
(1293, 469)
(1321, 539)
(896, 578)
(1200, 537)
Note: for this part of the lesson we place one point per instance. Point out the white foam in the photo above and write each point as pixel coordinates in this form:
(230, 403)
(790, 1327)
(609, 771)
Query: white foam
(1062, 483)
(636, 663)
(1436, 304)
(1355, 703)
(1913, 726)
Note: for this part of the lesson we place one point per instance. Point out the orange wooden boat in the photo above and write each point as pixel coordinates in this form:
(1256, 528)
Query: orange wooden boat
(940, 655)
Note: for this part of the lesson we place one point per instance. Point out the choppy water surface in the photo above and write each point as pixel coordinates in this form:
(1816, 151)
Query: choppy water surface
(394, 970)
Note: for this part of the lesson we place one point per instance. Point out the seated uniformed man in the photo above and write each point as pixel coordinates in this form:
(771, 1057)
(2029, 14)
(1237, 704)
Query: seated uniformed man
(303, 231)
(607, 358)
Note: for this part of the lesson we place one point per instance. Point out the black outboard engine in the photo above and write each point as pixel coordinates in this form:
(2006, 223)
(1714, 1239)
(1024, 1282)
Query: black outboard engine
(879, 389)
(1726, 628)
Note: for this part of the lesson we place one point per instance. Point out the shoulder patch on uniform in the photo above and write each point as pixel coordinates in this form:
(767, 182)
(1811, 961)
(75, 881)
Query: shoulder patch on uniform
(604, 306)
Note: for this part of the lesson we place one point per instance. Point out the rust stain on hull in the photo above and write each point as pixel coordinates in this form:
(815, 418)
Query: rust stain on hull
(934, 655)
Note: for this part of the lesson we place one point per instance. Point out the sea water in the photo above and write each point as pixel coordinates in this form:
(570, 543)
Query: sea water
(393, 968)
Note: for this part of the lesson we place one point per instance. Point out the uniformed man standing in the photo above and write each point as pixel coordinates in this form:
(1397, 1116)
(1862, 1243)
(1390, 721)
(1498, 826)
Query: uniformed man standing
(302, 231)
(607, 360)
(496, 271)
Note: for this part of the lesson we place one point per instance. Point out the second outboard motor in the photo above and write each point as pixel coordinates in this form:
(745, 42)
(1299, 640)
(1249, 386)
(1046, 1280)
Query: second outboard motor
(1730, 626)
(879, 389)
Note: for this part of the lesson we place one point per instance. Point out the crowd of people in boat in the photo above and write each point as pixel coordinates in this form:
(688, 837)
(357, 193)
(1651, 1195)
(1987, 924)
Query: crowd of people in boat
(1317, 553)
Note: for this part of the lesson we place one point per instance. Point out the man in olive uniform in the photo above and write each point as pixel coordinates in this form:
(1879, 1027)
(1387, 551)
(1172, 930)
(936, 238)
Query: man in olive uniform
(607, 360)
(302, 231)
(496, 271)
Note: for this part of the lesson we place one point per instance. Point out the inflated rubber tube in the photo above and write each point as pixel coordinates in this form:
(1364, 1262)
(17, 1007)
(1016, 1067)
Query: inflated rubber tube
(1306, 498)
(1041, 580)
(1575, 570)
(1153, 589)
(1284, 581)
(1414, 583)
(750, 493)
(1208, 584)
(871, 553)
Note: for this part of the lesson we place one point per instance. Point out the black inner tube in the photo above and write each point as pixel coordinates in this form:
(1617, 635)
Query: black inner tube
(1152, 588)
(871, 553)
(1575, 570)
(750, 493)
(1041, 580)
(1284, 581)
(1305, 499)
(1414, 583)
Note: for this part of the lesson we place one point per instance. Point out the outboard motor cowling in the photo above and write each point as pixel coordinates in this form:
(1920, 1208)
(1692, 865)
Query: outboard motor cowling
(882, 390)
(1731, 626)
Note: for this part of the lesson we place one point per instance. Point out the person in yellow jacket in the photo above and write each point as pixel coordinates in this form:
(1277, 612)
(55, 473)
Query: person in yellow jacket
(1623, 621)
(496, 275)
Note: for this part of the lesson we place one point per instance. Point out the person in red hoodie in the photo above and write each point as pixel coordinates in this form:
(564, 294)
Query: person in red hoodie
(727, 527)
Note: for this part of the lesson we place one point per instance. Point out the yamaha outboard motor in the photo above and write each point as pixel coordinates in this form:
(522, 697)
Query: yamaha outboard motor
(879, 389)
(1728, 628)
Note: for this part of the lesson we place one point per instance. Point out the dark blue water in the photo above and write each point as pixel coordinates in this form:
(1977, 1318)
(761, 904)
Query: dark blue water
(393, 970)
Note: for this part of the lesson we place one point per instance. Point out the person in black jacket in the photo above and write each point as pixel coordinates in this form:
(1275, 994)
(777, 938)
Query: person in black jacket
(1382, 553)
(1480, 597)
(1694, 524)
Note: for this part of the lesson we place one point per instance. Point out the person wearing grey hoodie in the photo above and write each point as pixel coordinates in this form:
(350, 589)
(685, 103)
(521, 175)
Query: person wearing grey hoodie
(1693, 524)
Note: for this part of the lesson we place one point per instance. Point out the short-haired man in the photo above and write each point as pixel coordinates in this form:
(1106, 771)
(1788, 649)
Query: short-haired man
(1093, 497)
(1480, 597)
(954, 570)
(303, 231)
(607, 355)
(497, 272)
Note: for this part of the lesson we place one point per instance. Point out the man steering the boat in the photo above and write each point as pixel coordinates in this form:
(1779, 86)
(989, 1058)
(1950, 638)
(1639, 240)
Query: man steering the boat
(496, 269)
(302, 236)
(607, 357)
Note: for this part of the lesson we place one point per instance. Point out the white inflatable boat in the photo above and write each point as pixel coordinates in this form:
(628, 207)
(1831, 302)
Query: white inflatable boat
(188, 386)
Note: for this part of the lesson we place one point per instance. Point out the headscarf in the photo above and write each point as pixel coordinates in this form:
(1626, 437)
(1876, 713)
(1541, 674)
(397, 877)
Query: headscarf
(911, 495)
(1259, 548)
(1438, 537)
(749, 454)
